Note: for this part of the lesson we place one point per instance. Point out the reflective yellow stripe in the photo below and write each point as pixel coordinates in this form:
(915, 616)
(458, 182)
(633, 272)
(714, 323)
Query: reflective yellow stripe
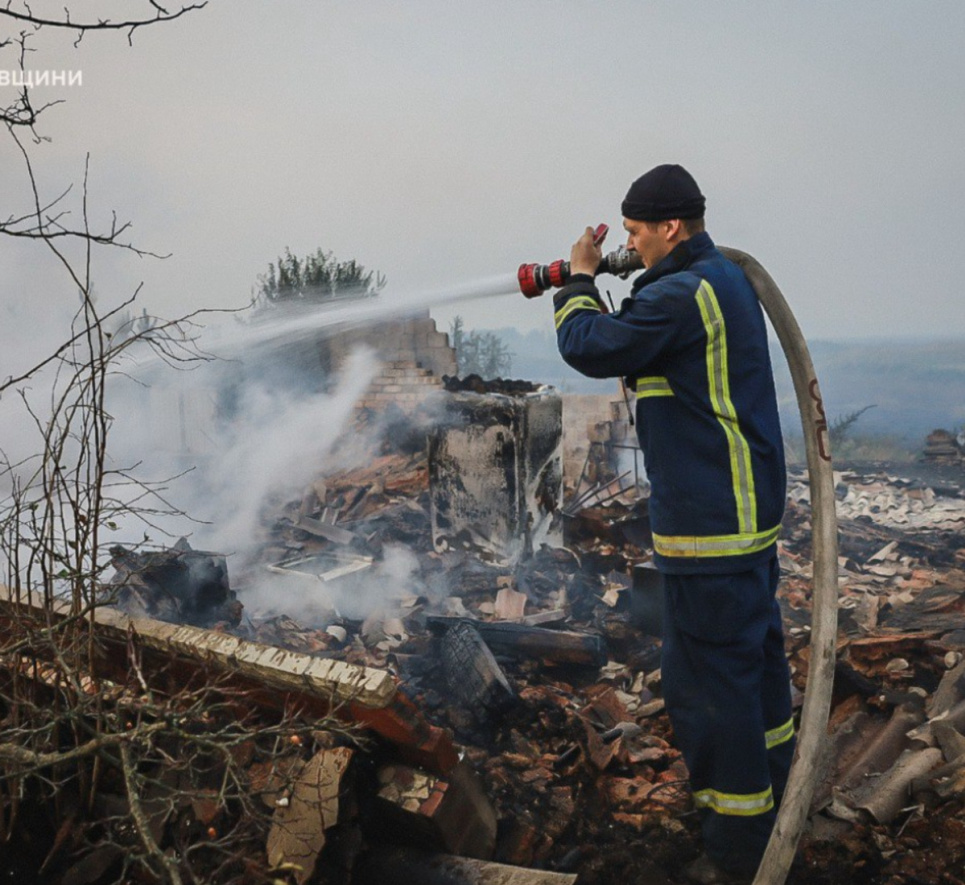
(653, 385)
(780, 735)
(581, 302)
(714, 545)
(739, 804)
(718, 380)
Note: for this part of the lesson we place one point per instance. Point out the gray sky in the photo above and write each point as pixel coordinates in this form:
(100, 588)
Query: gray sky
(441, 142)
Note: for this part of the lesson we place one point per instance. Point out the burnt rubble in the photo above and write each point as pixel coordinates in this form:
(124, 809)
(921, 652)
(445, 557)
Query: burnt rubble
(178, 585)
(515, 698)
(476, 384)
(577, 758)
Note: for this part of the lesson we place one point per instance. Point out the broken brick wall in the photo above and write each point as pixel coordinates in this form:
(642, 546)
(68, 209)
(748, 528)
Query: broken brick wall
(415, 356)
(402, 382)
(589, 418)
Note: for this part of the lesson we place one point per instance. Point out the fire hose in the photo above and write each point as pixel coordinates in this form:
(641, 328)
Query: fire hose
(812, 735)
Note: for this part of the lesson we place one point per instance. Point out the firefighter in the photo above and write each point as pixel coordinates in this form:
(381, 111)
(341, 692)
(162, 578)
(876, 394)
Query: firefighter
(692, 343)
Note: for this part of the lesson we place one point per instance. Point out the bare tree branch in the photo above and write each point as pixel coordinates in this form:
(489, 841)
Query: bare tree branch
(129, 25)
(21, 113)
(30, 761)
(155, 854)
(40, 225)
(68, 736)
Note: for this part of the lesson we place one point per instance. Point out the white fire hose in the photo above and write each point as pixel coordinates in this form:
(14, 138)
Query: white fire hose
(812, 737)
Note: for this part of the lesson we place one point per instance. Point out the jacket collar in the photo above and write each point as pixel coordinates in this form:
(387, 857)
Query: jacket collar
(681, 257)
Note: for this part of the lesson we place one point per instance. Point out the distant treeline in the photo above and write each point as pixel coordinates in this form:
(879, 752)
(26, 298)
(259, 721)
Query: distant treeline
(915, 386)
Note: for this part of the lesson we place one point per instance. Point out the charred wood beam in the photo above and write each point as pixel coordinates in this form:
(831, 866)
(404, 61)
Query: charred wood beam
(862, 539)
(518, 640)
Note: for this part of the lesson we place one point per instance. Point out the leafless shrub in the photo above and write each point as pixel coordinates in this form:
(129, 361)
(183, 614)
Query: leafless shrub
(104, 761)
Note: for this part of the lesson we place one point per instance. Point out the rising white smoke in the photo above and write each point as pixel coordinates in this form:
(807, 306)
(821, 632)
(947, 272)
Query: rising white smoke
(312, 602)
(232, 462)
(213, 451)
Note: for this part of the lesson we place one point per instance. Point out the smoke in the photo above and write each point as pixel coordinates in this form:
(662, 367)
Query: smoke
(277, 443)
(239, 439)
(630, 463)
(299, 592)
(219, 451)
(215, 450)
(47, 321)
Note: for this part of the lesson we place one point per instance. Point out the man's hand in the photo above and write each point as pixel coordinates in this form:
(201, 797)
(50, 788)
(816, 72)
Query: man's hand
(585, 256)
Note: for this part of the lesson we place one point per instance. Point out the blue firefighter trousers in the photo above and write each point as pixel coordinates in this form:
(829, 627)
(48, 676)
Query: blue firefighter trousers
(727, 689)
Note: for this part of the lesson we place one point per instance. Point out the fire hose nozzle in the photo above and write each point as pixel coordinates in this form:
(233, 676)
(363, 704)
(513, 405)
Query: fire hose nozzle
(535, 279)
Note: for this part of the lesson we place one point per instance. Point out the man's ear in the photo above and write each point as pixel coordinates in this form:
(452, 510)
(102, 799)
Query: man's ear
(673, 230)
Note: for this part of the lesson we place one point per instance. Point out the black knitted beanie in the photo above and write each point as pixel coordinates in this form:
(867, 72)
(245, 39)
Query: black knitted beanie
(667, 191)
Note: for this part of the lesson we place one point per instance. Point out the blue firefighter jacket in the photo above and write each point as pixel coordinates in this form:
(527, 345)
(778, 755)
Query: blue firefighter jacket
(692, 341)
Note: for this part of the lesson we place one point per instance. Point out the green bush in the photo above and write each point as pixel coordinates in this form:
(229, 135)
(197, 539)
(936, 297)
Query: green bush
(315, 279)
